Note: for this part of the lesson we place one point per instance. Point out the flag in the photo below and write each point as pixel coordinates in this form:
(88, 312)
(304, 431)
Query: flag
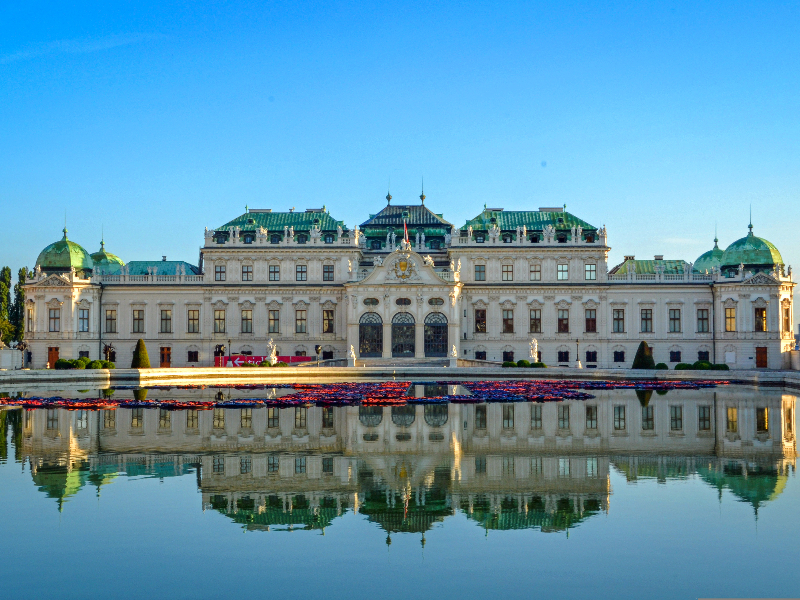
(405, 230)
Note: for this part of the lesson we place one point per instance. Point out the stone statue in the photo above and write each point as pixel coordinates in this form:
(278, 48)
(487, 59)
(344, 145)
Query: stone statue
(338, 232)
(469, 231)
(272, 352)
(428, 260)
(452, 265)
(535, 349)
(352, 352)
(388, 240)
(454, 352)
(394, 239)
(291, 232)
(423, 239)
(418, 239)
(349, 267)
(458, 267)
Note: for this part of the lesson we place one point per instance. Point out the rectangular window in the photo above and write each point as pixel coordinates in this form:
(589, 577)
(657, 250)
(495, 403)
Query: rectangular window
(704, 418)
(300, 414)
(508, 416)
(245, 465)
(247, 272)
(192, 356)
(562, 273)
(164, 419)
(732, 421)
(30, 321)
(676, 418)
(508, 272)
(619, 356)
(52, 419)
(619, 418)
(563, 416)
(647, 320)
(675, 356)
(55, 319)
(704, 355)
(219, 321)
(273, 463)
(762, 420)
(83, 320)
(192, 419)
(193, 321)
(480, 354)
(274, 321)
(301, 272)
(300, 321)
(138, 321)
(787, 321)
(327, 417)
(327, 321)
(591, 356)
(219, 272)
(508, 356)
(563, 467)
(246, 418)
(218, 464)
(761, 319)
(508, 321)
(591, 417)
(648, 418)
(563, 356)
(327, 272)
(508, 466)
(590, 272)
(537, 466)
(563, 320)
(536, 272)
(591, 467)
(536, 320)
(166, 321)
(137, 418)
(618, 320)
(109, 419)
(730, 319)
(480, 465)
(480, 417)
(591, 320)
(536, 416)
(327, 465)
(480, 320)
(702, 320)
(274, 272)
(480, 272)
(273, 418)
(299, 465)
(674, 320)
(247, 321)
(111, 321)
(219, 418)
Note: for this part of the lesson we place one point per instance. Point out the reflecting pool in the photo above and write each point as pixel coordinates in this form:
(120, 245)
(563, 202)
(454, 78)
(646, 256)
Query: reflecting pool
(689, 493)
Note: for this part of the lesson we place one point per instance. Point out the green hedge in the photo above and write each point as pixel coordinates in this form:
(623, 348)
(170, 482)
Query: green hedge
(82, 363)
(538, 365)
(140, 358)
(509, 364)
(522, 363)
(701, 365)
(662, 367)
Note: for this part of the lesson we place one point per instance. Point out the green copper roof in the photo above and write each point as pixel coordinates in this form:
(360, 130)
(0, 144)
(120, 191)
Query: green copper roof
(105, 262)
(509, 220)
(648, 267)
(64, 255)
(163, 267)
(708, 261)
(416, 215)
(751, 251)
(276, 221)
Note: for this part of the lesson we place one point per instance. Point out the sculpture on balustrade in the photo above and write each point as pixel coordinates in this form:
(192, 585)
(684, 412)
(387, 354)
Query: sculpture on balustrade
(535, 349)
(454, 352)
(428, 260)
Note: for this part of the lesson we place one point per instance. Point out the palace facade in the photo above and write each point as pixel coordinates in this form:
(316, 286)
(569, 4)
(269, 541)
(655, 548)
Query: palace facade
(481, 291)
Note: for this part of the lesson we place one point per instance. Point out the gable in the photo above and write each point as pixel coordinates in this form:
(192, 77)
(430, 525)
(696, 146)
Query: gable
(401, 268)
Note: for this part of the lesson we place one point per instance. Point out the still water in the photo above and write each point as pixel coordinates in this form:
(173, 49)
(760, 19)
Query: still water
(678, 495)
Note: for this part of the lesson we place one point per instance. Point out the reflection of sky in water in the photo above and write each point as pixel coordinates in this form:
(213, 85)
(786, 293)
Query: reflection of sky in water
(453, 501)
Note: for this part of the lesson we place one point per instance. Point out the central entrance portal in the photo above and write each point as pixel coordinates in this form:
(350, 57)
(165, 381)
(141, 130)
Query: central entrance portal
(435, 335)
(370, 335)
(403, 335)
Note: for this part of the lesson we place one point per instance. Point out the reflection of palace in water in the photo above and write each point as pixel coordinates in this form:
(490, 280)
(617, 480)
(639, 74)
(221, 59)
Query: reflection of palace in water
(506, 466)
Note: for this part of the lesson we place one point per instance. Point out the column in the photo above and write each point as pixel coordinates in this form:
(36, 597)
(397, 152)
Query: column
(419, 338)
(387, 339)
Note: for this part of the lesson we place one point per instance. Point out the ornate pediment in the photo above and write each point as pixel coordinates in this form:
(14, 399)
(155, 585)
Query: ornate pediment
(761, 279)
(400, 267)
(54, 281)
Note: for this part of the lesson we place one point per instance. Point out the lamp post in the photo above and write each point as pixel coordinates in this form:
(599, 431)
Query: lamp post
(578, 364)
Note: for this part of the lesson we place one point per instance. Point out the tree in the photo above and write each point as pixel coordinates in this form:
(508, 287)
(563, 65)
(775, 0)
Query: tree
(17, 316)
(140, 358)
(644, 357)
(5, 304)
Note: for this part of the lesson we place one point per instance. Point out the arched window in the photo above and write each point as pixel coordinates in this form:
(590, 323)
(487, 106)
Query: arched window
(507, 239)
(370, 416)
(370, 302)
(403, 416)
(561, 238)
(535, 238)
(590, 238)
(403, 302)
(403, 335)
(435, 335)
(370, 335)
(435, 301)
(436, 415)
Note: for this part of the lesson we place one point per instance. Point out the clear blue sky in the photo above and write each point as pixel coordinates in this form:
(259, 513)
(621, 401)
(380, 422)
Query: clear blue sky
(154, 120)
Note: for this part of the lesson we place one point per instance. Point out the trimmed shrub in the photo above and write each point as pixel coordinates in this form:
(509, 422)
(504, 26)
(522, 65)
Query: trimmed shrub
(701, 365)
(140, 358)
(538, 365)
(683, 367)
(644, 396)
(509, 364)
(95, 364)
(525, 364)
(662, 367)
(662, 392)
(720, 367)
(281, 364)
(84, 360)
(78, 364)
(644, 357)
(249, 365)
(264, 363)
(140, 395)
(107, 364)
(108, 393)
(63, 364)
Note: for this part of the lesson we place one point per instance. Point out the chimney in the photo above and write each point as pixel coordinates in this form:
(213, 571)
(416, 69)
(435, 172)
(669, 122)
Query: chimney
(659, 257)
(163, 258)
(629, 257)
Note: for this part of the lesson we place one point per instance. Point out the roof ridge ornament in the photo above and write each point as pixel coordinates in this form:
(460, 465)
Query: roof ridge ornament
(422, 195)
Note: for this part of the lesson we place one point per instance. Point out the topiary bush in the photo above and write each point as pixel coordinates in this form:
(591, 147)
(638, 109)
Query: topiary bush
(720, 367)
(63, 364)
(84, 360)
(538, 365)
(249, 365)
(509, 364)
(644, 357)
(683, 367)
(662, 367)
(107, 364)
(701, 365)
(523, 363)
(140, 358)
(140, 395)
(264, 363)
(281, 364)
(79, 364)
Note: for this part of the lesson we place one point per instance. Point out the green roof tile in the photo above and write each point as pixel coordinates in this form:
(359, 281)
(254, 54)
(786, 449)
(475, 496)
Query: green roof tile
(163, 267)
(276, 221)
(648, 267)
(509, 220)
(418, 215)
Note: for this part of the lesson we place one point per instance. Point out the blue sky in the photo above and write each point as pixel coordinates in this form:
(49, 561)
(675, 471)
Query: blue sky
(154, 120)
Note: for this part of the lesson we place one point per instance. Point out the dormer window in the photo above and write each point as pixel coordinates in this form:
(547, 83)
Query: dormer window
(435, 244)
(328, 238)
(535, 238)
(506, 239)
(479, 238)
(375, 244)
(560, 220)
(561, 238)
(301, 239)
(590, 238)
(220, 239)
(275, 239)
(248, 239)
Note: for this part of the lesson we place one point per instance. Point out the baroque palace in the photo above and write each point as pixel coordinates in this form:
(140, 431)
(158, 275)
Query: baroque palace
(481, 291)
